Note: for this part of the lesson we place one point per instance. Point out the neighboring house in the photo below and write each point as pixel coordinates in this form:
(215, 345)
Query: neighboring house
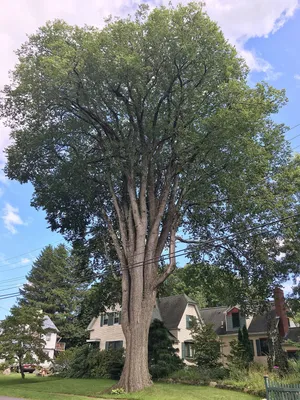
(227, 322)
(176, 312)
(50, 337)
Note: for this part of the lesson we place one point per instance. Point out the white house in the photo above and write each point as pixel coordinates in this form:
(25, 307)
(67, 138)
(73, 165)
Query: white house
(176, 312)
(50, 337)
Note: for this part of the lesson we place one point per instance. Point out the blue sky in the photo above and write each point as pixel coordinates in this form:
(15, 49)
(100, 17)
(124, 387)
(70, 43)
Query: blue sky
(265, 32)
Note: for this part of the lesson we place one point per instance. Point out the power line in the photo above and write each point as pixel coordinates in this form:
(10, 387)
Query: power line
(185, 251)
(9, 295)
(7, 281)
(9, 288)
(28, 252)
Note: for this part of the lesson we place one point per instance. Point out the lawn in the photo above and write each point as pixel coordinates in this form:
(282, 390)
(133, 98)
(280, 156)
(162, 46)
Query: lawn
(52, 388)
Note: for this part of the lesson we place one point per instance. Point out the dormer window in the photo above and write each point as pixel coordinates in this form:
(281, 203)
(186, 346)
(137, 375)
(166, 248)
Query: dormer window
(236, 320)
(105, 319)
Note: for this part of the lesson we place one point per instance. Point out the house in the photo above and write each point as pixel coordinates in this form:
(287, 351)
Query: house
(228, 320)
(177, 313)
(50, 337)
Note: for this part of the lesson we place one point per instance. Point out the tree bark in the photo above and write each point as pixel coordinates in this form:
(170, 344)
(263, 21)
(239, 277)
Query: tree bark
(21, 369)
(135, 375)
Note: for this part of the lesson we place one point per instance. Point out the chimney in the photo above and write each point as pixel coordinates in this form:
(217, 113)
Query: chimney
(280, 309)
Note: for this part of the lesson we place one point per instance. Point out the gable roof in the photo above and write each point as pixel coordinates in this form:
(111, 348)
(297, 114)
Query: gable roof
(49, 324)
(293, 334)
(172, 308)
(156, 313)
(259, 322)
(216, 317)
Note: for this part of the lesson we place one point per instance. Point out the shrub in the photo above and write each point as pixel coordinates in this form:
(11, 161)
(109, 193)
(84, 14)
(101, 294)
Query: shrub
(207, 350)
(200, 375)
(4, 366)
(62, 363)
(162, 357)
(241, 354)
(294, 366)
(89, 362)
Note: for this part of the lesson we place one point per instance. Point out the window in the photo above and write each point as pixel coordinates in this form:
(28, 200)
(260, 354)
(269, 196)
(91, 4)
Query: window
(105, 319)
(189, 350)
(114, 345)
(235, 320)
(189, 320)
(117, 318)
(262, 347)
(113, 318)
(48, 336)
(293, 355)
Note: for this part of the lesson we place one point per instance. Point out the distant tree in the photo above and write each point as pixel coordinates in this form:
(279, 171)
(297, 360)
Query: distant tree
(162, 356)
(131, 133)
(179, 283)
(207, 349)
(105, 293)
(21, 336)
(53, 285)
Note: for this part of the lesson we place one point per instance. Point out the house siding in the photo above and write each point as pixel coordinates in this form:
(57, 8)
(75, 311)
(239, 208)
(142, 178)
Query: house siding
(107, 333)
(226, 348)
(50, 344)
(184, 334)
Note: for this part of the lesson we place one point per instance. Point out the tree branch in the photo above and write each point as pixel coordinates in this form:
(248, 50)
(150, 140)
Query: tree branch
(172, 258)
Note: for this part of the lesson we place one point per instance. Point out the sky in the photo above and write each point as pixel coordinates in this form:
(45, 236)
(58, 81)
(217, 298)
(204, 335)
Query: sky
(265, 32)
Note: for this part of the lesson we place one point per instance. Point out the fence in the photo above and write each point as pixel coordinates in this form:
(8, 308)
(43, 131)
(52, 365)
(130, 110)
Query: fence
(279, 391)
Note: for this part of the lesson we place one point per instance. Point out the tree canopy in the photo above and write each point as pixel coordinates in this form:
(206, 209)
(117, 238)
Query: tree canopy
(147, 126)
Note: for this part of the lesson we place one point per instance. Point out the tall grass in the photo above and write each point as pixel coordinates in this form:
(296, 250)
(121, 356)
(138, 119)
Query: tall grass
(255, 378)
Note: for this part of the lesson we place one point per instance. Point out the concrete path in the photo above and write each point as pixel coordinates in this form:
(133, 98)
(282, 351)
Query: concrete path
(9, 398)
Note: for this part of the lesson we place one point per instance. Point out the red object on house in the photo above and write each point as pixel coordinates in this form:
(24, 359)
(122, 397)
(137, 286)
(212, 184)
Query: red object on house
(280, 309)
(234, 310)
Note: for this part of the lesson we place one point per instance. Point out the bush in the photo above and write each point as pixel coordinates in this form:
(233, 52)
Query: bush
(206, 346)
(88, 362)
(294, 366)
(62, 363)
(162, 357)
(4, 366)
(200, 375)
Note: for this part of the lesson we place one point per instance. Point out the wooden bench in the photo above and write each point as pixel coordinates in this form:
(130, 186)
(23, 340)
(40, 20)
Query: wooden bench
(280, 391)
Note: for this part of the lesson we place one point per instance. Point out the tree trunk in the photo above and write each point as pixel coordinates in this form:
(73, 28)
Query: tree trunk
(21, 369)
(135, 375)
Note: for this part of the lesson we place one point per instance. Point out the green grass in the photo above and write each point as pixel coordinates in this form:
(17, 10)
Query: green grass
(53, 388)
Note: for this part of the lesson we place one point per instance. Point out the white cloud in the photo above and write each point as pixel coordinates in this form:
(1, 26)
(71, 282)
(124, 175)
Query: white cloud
(240, 21)
(11, 218)
(297, 77)
(25, 261)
